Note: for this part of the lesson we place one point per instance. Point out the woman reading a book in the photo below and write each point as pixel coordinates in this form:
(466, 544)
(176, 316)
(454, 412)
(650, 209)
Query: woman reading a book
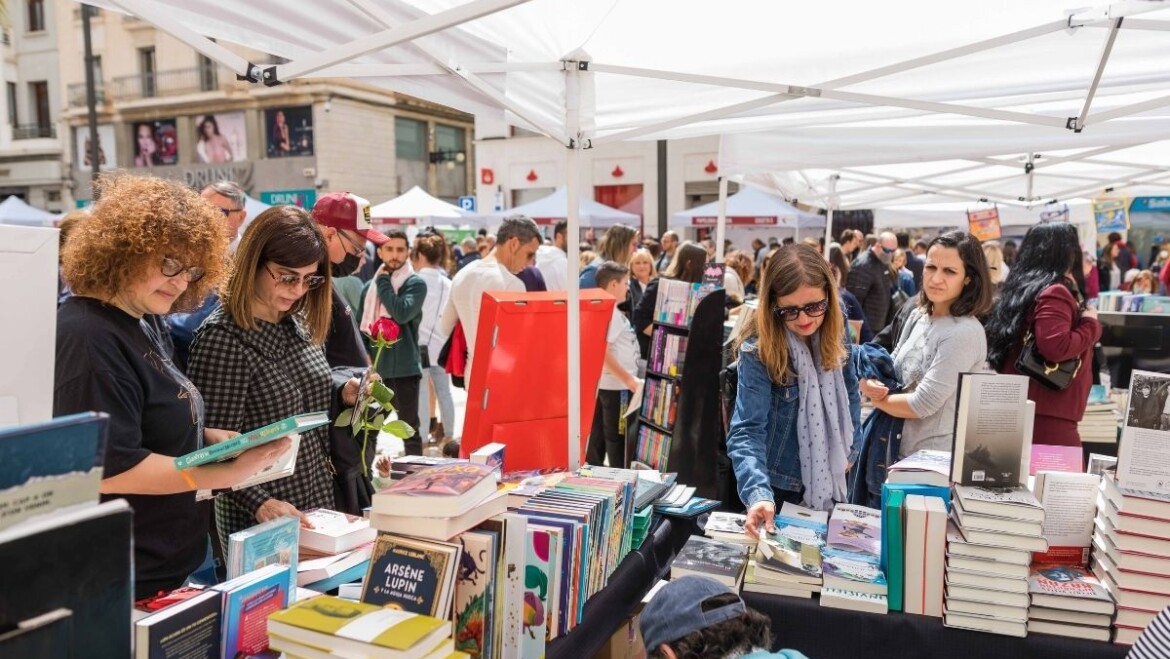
(1044, 295)
(797, 409)
(941, 338)
(150, 247)
(260, 358)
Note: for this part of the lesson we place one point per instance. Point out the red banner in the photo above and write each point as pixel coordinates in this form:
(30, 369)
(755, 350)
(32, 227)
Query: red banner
(736, 221)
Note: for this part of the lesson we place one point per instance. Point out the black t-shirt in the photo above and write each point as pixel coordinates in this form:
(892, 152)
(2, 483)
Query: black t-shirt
(343, 345)
(108, 361)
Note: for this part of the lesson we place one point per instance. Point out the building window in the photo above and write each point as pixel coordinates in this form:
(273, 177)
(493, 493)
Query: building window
(13, 117)
(97, 71)
(39, 95)
(36, 15)
(410, 139)
(450, 157)
(207, 74)
(146, 70)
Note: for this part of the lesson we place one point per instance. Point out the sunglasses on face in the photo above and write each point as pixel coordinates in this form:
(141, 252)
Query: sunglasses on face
(889, 250)
(172, 267)
(291, 281)
(813, 310)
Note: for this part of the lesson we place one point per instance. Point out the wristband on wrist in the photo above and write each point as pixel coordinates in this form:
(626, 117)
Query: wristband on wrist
(188, 479)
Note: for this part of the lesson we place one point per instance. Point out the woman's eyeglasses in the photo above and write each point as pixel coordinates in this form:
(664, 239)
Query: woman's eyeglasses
(792, 313)
(228, 211)
(290, 281)
(172, 267)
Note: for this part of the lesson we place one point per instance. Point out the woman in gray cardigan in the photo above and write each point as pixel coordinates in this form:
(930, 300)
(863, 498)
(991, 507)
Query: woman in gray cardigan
(942, 338)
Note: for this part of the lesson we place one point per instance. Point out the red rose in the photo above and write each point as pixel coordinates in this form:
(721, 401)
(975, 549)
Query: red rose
(385, 329)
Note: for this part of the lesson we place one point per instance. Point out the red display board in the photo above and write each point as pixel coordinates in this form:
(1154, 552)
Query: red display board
(517, 394)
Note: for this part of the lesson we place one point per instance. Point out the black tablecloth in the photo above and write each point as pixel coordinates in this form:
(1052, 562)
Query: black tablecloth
(637, 573)
(827, 633)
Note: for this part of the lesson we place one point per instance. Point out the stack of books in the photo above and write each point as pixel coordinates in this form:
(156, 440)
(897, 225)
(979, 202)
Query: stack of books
(439, 502)
(1121, 301)
(925, 473)
(334, 544)
(1067, 601)
(851, 561)
(677, 301)
(924, 525)
(405, 465)
(1131, 556)
(327, 626)
(729, 527)
(994, 532)
(788, 562)
(1102, 418)
(723, 561)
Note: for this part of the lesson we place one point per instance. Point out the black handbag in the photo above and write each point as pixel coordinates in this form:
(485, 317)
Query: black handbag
(1053, 375)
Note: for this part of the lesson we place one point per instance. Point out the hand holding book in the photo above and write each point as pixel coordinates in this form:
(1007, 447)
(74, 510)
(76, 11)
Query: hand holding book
(761, 515)
(217, 435)
(275, 509)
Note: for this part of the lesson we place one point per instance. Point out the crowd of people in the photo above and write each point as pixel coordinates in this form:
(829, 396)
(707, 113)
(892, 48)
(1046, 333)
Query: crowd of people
(188, 328)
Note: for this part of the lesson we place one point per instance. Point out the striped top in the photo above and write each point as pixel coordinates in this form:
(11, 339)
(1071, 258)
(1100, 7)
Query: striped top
(1154, 642)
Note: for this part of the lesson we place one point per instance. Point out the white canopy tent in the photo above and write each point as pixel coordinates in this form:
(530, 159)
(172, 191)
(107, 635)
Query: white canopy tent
(585, 73)
(14, 210)
(750, 207)
(417, 206)
(555, 207)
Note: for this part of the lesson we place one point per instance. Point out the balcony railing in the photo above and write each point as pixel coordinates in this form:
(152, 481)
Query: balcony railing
(164, 83)
(76, 94)
(34, 131)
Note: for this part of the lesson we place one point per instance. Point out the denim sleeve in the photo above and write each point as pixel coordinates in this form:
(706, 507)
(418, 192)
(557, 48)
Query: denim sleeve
(748, 436)
(854, 392)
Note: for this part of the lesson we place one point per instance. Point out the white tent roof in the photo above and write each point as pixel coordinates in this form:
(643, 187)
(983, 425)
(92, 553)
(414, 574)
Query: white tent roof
(418, 205)
(14, 210)
(750, 207)
(954, 215)
(555, 207)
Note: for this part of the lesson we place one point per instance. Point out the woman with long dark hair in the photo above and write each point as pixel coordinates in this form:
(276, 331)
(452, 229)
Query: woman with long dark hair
(1044, 295)
(687, 265)
(797, 406)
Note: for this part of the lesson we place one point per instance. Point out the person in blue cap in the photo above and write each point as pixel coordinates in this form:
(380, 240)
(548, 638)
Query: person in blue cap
(695, 617)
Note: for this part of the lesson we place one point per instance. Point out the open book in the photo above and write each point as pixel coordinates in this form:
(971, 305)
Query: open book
(230, 448)
(284, 466)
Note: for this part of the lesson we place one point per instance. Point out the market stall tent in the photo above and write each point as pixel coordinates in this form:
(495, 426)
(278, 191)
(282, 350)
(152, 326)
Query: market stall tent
(14, 210)
(417, 206)
(549, 210)
(750, 207)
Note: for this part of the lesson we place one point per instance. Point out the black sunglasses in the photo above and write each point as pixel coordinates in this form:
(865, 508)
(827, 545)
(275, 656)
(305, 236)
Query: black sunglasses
(288, 281)
(172, 267)
(812, 310)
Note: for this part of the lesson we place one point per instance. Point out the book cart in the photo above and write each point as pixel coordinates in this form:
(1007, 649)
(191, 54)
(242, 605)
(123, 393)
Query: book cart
(679, 427)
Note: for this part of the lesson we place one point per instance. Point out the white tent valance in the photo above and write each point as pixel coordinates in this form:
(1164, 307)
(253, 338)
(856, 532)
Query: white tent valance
(417, 206)
(555, 207)
(14, 210)
(750, 207)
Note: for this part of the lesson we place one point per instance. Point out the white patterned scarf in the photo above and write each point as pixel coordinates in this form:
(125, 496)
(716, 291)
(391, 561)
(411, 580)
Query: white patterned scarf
(824, 429)
(372, 307)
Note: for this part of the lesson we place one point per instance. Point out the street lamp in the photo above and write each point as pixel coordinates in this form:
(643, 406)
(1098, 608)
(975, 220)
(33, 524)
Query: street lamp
(449, 156)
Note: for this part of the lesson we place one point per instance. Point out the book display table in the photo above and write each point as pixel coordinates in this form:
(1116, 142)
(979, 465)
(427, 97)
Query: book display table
(827, 633)
(637, 573)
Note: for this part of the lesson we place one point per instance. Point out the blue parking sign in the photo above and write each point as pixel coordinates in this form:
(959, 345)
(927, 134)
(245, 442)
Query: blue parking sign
(467, 203)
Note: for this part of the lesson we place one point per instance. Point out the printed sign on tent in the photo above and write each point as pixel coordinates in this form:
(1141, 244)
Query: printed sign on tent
(984, 224)
(1111, 214)
(1055, 214)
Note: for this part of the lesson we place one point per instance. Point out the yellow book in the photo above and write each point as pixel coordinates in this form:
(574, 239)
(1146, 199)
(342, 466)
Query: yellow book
(333, 624)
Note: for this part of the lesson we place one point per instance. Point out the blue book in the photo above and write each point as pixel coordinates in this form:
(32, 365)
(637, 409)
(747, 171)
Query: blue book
(274, 542)
(230, 448)
(50, 465)
(247, 601)
(893, 547)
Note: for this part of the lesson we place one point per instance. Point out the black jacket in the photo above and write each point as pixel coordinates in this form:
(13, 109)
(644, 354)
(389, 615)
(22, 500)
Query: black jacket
(869, 281)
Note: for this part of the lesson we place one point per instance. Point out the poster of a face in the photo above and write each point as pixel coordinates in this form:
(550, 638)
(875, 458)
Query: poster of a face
(107, 157)
(156, 143)
(220, 138)
(290, 131)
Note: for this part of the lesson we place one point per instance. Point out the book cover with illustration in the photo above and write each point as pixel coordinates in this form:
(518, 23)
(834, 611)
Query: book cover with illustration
(236, 445)
(247, 601)
(536, 584)
(412, 575)
(795, 547)
(50, 465)
(275, 542)
(491, 455)
(1067, 581)
(567, 587)
(555, 611)
(704, 556)
(475, 608)
(856, 528)
(352, 627)
(852, 571)
(452, 479)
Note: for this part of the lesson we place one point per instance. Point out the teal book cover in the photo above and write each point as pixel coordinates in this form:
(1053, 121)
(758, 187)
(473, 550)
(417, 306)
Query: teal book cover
(275, 542)
(536, 578)
(893, 547)
(236, 445)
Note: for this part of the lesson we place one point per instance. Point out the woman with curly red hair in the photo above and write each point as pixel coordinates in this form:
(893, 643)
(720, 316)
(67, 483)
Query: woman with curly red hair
(149, 247)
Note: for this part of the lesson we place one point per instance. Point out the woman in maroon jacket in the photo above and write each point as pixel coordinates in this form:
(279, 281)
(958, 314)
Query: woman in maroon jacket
(1045, 294)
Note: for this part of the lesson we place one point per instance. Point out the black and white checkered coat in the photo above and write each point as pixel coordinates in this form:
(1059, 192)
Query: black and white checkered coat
(251, 378)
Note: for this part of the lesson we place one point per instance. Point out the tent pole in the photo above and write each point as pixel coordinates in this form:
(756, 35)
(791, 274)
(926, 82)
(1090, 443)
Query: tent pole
(573, 236)
(721, 221)
(829, 214)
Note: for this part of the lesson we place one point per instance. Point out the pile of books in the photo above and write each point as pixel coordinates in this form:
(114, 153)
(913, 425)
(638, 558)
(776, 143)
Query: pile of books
(405, 465)
(924, 474)
(729, 527)
(1131, 556)
(851, 561)
(439, 502)
(1121, 301)
(720, 560)
(335, 544)
(677, 301)
(788, 562)
(327, 626)
(989, 550)
(1101, 419)
(1067, 601)
(666, 353)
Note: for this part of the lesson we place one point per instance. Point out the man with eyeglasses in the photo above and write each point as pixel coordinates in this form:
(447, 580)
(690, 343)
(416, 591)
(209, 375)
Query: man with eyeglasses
(870, 282)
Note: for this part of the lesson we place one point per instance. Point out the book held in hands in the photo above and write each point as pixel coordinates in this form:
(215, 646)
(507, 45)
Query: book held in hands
(231, 448)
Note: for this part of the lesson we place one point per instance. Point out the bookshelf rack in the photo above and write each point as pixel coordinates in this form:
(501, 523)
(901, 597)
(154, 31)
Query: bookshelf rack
(679, 426)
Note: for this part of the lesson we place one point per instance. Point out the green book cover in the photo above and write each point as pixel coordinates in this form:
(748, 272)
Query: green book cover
(240, 443)
(893, 548)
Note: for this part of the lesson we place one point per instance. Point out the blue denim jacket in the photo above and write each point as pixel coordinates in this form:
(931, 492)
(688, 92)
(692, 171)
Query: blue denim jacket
(881, 435)
(761, 441)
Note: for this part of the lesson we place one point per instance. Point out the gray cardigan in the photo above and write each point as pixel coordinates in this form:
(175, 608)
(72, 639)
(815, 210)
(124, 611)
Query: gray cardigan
(952, 346)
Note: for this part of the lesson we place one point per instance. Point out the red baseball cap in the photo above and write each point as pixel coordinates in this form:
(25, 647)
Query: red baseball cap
(342, 210)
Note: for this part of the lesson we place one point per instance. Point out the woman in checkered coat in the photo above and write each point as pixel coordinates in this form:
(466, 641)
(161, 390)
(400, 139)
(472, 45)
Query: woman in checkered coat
(260, 358)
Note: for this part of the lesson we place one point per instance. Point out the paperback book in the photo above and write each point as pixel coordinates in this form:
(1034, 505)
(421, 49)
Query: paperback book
(722, 561)
(852, 571)
(275, 542)
(856, 528)
(189, 629)
(412, 575)
(332, 532)
(1068, 587)
(445, 490)
(925, 467)
(247, 601)
(475, 585)
(992, 430)
(350, 628)
(230, 448)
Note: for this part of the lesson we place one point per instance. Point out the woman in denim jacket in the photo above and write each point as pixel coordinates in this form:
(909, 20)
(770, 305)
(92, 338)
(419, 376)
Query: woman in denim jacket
(794, 433)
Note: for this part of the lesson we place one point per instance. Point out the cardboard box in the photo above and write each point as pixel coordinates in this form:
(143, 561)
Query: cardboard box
(626, 642)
